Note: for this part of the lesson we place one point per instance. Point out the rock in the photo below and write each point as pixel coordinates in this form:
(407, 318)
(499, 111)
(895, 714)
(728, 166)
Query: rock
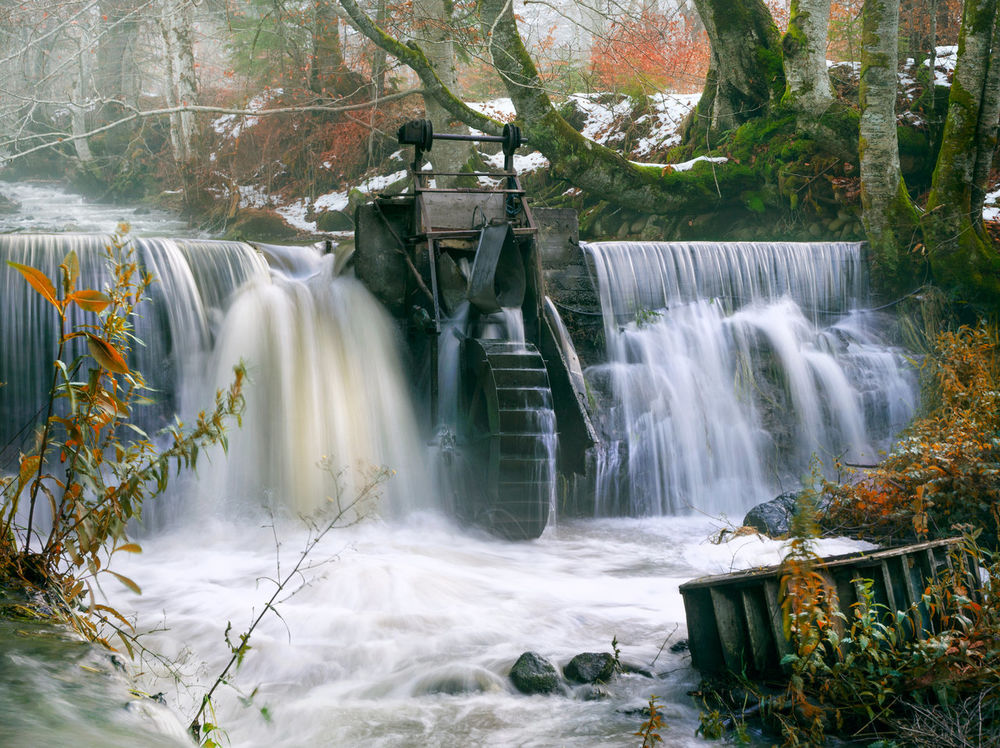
(334, 220)
(260, 224)
(590, 667)
(679, 646)
(772, 518)
(533, 674)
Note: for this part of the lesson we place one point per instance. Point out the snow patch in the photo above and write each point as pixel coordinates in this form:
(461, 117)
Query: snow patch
(523, 163)
(380, 182)
(991, 210)
(330, 201)
(231, 125)
(754, 551)
(499, 109)
(295, 215)
(669, 112)
(601, 117)
(686, 165)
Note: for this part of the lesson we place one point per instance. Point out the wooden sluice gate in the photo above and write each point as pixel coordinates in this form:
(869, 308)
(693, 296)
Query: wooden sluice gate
(735, 621)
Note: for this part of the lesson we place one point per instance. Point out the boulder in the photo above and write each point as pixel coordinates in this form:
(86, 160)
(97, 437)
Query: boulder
(772, 518)
(533, 674)
(334, 220)
(590, 667)
(259, 224)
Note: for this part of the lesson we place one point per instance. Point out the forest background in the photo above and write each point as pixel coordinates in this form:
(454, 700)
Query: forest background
(816, 118)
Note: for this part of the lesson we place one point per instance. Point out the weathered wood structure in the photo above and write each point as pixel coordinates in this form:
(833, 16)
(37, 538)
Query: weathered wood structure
(734, 620)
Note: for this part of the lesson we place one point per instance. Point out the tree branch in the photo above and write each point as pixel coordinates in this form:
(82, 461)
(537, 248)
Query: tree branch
(145, 114)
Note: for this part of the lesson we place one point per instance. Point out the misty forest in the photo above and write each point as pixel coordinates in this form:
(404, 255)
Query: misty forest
(499, 372)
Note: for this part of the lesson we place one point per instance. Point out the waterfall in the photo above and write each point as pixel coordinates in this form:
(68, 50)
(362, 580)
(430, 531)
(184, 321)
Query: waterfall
(325, 378)
(174, 325)
(327, 385)
(729, 365)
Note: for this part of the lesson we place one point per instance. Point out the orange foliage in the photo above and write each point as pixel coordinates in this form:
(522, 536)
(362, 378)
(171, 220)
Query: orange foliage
(945, 470)
(653, 51)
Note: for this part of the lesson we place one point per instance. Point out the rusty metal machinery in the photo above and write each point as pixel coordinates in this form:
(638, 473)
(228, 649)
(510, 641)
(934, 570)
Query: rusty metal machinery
(447, 259)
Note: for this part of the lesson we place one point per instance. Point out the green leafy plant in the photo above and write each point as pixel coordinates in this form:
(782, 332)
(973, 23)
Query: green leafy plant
(91, 464)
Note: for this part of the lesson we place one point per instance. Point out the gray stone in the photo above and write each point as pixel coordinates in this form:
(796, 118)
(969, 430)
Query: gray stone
(533, 674)
(334, 220)
(590, 667)
(772, 518)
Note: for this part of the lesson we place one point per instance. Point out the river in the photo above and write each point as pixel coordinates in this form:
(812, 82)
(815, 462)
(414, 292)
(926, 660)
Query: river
(401, 631)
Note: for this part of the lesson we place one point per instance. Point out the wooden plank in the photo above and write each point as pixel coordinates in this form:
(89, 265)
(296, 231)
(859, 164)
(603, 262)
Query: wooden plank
(732, 629)
(703, 634)
(760, 637)
(776, 619)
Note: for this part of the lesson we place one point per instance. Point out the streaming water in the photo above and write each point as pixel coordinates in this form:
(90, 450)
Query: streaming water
(403, 628)
(731, 365)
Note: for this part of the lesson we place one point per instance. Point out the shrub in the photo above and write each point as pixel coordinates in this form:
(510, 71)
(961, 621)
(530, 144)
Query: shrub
(91, 465)
(945, 469)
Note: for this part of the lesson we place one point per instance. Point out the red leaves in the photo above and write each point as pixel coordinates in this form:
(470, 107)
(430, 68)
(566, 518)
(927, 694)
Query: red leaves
(106, 354)
(40, 282)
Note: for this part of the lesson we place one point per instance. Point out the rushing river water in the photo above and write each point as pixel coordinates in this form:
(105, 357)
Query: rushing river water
(404, 628)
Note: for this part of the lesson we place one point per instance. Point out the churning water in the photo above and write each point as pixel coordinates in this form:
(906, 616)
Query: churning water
(402, 630)
(730, 365)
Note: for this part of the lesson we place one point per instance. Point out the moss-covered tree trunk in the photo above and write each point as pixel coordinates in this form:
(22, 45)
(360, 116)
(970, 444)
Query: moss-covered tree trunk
(804, 54)
(889, 216)
(961, 254)
(745, 74)
(328, 72)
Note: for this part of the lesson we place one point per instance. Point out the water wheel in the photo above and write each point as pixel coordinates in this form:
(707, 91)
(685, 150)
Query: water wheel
(509, 436)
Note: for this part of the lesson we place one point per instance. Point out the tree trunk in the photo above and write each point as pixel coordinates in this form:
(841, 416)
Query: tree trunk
(961, 253)
(586, 164)
(117, 74)
(433, 36)
(804, 45)
(328, 72)
(746, 60)
(181, 87)
(888, 214)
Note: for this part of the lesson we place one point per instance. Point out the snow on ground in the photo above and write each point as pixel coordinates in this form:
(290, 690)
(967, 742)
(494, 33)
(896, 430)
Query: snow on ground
(231, 125)
(991, 211)
(601, 117)
(670, 111)
(381, 181)
(523, 163)
(742, 552)
(499, 109)
(686, 165)
(295, 215)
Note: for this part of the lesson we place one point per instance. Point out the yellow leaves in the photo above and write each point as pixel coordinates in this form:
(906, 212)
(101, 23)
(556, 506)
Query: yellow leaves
(126, 581)
(71, 271)
(40, 282)
(130, 548)
(28, 468)
(106, 354)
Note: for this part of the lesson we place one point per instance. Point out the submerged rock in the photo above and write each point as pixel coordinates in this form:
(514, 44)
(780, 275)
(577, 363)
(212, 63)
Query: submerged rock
(533, 674)
(590, 667)
(774, 517)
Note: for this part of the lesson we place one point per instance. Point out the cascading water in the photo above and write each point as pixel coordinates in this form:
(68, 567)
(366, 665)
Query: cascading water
(174, 328)
(407, 636)
(729, 365)
(326, 385)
